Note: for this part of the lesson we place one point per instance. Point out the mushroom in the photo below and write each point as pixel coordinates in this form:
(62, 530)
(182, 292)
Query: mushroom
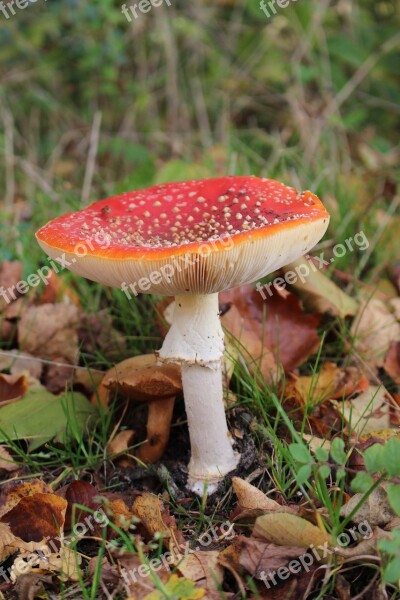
(140, 379)
(191, 240)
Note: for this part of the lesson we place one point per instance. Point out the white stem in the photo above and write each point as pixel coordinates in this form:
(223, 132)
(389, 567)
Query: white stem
(196, 341)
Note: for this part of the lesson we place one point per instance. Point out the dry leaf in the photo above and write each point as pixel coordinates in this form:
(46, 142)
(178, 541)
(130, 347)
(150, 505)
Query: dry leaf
(10, 275)
(376, 510)
(203, 569)
(374, 329)
(259, 557)
(156, 520)
(37, 518)
(12, 387)
(6, 461)
(49, 331)
(249, 497)
(12, 492)
(318, 292)
(368, 412)
(18, 362)
(285, 330)
(285, 529)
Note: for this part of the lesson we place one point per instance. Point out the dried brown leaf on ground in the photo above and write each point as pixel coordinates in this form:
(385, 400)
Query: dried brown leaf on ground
(64, 564)
(11, 493)
(285, 529)
(392, 362)
(19, 362)
(58, 291)
(249, 497)
(136, 577)
(318, 292)
(374, 329)
(259, 557)
(37, 518)
(97, 334)
(78, 492)
(50, 331)
(281, 324)
(155, 518)
(368, 412)
(202, 567)
(30, 586)
(331, 382)
(7, 462)
(12, 387)
(10, 275)
(376, 510)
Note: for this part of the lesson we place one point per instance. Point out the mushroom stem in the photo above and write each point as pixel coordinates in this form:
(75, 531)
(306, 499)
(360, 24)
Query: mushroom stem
(196, 341)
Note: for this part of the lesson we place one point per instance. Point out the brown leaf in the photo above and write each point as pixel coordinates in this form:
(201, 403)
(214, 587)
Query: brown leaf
(374, 329)
(6, 461)
(96, 333)
(49, 331)
(368, 412)
(249, 497)
(18, 362)
(135, 576)
(37, 518)
(12, 492)
(10, 275)
(12, 387)
(285, 330)
(57, 290)
(30, 586)
(78, 492)
(203, 569)
(259, 557)
(156, 519)
(392, 362)
(285, 529)
(376, 510)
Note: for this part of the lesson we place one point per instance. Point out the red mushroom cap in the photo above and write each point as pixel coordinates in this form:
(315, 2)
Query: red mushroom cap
(219, 220)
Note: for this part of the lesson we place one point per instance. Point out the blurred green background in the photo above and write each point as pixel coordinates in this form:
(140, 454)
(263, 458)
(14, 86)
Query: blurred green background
(92, 105)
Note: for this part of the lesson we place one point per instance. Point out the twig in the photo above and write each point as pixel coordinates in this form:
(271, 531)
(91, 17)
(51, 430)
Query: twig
(91, 159)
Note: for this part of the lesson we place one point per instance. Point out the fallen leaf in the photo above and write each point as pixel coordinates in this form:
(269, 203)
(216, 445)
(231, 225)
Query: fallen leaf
(367, 412)
(179, 588)
(19, 362)
(10, 275)
(376, 510)
(285, 330)
(374, 329)
(7, 462)
(259, 557)
(285, 529)
(58, 291)
(50, 331)
(12, 387)
(249, 497)
(64, 563)
(318, 292)
(39, 417)
(78, 492)
(392, 362)
(97, 334)
(12, 492)
(203, 569)
(30, 586)
(37, 518)
(156, 520)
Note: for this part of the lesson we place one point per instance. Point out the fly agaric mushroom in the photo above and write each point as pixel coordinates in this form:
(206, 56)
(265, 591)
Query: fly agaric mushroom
(191, 240)
(140, 379)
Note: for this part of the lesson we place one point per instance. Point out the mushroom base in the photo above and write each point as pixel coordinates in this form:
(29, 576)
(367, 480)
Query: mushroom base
(212, 455)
